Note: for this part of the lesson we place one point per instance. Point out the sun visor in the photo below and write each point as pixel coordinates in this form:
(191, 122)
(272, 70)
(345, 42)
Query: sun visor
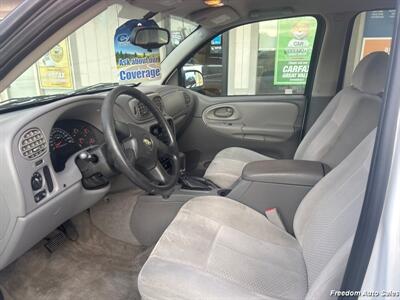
(214, 17)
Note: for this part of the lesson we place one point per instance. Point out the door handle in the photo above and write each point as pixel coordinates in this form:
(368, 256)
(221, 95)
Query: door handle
(223, 112)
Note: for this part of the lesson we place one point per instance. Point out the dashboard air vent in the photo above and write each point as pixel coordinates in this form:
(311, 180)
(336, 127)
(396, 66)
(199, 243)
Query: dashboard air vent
(142, 112)
(158, 102)
(32, 144)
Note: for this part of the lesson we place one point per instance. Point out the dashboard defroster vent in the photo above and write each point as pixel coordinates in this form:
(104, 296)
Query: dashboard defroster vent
(32, 144)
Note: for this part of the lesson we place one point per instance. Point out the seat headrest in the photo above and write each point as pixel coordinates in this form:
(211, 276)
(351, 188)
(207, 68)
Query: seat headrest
(370, 74)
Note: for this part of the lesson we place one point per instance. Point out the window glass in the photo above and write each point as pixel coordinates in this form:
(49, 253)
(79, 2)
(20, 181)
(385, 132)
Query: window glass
(87, 57)
(270, 57)
(372, 32)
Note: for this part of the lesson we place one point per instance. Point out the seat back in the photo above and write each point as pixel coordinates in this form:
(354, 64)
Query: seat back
(326, 220)
(350, 115)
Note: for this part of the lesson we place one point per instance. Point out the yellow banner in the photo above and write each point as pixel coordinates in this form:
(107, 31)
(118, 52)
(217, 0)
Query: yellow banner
(54, 68)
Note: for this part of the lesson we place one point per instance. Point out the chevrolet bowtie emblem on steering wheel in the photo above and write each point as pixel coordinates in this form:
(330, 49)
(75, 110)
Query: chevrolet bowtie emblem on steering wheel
(148, 143)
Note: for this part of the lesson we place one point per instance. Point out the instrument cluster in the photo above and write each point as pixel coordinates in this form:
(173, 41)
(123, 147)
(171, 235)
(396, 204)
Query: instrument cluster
(69, 137)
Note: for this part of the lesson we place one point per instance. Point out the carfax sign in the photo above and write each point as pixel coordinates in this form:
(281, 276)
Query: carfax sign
(295, 42)
(135, 64)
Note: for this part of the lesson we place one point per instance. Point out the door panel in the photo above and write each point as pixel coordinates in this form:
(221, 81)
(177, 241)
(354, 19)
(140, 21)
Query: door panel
(267, 124)
(258, 100)
(261, 121)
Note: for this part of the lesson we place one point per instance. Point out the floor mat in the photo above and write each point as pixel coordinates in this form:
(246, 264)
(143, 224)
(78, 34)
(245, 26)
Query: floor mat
(94, 267)
(112, 215)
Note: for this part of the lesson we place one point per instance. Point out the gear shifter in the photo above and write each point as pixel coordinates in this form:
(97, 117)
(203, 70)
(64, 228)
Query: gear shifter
(189, 182)
(196, 183)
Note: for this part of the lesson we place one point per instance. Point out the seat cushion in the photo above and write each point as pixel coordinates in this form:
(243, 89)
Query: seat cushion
(227, 166)
(217, 248)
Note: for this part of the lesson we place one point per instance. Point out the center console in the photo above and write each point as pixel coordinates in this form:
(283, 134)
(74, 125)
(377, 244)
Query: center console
(153, 213)
(280, 184)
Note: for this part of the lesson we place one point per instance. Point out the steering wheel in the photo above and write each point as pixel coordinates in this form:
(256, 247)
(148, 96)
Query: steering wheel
(134, 151)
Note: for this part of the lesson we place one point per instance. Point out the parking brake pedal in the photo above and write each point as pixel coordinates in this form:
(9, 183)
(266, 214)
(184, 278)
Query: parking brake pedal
(55, 240)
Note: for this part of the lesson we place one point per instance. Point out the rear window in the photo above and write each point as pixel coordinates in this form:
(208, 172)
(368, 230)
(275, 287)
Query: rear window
(372, 32)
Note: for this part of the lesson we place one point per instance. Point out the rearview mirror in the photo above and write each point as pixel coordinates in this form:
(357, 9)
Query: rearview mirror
(150, 37)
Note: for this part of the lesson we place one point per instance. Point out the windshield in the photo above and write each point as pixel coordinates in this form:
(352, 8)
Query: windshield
(87, 60)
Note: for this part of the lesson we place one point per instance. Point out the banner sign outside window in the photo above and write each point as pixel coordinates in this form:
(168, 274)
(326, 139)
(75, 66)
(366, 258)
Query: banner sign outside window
(135, 64)
(295, 42)
(378, 30)
(379, 23)
(54, 68)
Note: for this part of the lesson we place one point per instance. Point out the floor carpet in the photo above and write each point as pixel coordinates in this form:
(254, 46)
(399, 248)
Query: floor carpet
(93, 267)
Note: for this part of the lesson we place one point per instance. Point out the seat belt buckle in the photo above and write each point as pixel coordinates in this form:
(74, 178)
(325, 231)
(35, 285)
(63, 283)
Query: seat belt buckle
(274, 217)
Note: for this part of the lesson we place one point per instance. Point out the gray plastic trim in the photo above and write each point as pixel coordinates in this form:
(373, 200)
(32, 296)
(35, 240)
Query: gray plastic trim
(24, 221)
(30, 229)
(261, 196)
(152, 213)
(263, 121)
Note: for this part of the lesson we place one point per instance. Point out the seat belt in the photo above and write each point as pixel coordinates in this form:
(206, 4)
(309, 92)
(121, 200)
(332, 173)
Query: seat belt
(274, 217)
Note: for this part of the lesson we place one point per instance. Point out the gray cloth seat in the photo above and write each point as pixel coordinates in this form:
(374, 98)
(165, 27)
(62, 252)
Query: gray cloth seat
(344, 123)
(217, 248)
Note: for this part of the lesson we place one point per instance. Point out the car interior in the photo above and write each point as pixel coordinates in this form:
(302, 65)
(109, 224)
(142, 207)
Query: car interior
(227, 177)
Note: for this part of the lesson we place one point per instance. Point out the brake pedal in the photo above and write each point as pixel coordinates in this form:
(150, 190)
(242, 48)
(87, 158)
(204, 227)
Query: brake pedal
(70, 231)
(55, 240)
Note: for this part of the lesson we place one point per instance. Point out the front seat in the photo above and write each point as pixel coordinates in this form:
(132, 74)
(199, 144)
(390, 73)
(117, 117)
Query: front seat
(344, 123)
(217, 248)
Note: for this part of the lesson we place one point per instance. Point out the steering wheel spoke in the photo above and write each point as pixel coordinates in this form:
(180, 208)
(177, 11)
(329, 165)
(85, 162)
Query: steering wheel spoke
(162, 148)
(159, 174)
(123, 130)
(129, 151)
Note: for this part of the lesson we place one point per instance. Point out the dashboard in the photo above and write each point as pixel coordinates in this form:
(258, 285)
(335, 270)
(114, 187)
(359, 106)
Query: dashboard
(68, 137)
(41, 184)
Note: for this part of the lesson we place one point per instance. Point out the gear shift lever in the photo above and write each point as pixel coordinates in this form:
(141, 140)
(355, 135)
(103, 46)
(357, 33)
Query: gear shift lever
(190, 182)
(182, 162)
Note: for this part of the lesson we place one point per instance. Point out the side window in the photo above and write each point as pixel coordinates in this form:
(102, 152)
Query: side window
(372, 32)
(264, 58)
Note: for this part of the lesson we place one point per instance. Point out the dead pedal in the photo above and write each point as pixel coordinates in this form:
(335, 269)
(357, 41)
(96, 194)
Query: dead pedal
(1, 295)
(55, 240)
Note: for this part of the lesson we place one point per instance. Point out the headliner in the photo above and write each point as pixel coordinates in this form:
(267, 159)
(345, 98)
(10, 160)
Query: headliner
(243, 7)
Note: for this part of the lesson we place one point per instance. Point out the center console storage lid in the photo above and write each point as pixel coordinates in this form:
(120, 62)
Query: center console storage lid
(295, 172)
